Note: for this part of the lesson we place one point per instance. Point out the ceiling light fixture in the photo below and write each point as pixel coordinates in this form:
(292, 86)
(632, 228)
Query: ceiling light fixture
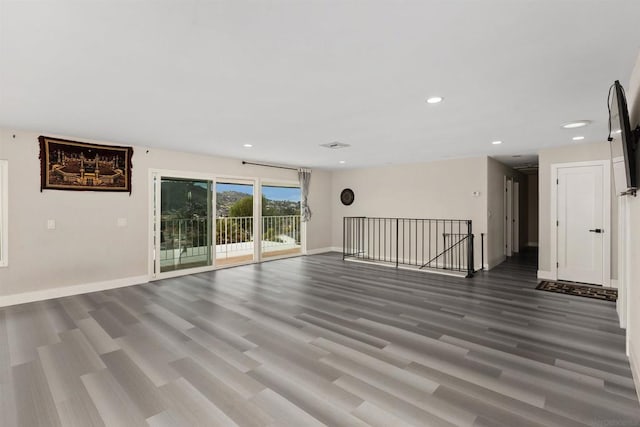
(578, 138)
(342, 162)
(434, 100)
(496, 142)
(247, 145)
(577, 124)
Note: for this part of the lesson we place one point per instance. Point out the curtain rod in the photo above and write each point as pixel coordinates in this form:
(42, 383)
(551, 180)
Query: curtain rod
(268, 166)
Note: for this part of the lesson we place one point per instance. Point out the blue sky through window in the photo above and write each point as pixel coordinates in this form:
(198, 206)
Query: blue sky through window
(291, 194)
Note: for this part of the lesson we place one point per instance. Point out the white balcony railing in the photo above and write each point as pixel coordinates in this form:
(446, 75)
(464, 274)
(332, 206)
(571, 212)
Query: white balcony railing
(189, 241)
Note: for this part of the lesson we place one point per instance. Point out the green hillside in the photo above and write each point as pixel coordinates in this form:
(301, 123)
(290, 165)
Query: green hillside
(184, 199)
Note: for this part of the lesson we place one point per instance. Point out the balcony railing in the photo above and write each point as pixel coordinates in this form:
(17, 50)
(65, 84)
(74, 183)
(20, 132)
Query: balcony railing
(189, 241)
(424, 244)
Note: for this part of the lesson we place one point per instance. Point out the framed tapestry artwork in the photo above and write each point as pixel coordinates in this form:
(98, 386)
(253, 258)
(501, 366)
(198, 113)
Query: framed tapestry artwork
(70, 165)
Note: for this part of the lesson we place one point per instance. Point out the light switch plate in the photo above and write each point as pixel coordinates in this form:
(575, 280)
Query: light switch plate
(122, 222)
(51, 224)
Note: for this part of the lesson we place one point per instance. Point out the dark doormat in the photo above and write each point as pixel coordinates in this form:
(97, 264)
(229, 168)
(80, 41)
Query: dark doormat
(597, 292)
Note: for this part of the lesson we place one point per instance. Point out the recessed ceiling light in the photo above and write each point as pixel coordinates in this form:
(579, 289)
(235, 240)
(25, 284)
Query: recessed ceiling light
(342, 162)
(578, 124)
(578, 138)
(496, 142)
(434, 100)
(247, 145)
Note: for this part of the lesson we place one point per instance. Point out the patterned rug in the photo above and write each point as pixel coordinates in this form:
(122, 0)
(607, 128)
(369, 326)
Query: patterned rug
(597, 292)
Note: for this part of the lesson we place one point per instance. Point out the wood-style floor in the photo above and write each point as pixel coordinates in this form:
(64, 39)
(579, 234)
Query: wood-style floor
(312, 340)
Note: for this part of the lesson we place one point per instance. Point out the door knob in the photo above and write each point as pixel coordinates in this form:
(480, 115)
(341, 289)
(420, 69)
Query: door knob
(597, 230)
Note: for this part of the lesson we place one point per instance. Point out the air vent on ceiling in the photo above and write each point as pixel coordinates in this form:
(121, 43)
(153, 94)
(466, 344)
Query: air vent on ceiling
(335, 145)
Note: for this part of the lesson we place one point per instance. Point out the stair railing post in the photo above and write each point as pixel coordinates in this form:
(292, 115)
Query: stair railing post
(397, 241)
(482, 251)
(469, 250)
(344, 237)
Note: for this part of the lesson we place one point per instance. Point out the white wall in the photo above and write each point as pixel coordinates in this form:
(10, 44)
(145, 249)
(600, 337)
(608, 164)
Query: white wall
(568, 154)
(633, 327)
(87, 246)
(427, 190)
(496, 172)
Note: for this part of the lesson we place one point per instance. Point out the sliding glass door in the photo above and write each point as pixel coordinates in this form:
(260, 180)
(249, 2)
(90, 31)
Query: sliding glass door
(184, 223)
(200, 222)
(281, 234)
(235, 227)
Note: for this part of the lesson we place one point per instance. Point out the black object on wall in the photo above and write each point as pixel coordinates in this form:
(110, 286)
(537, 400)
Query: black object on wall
(347, 197)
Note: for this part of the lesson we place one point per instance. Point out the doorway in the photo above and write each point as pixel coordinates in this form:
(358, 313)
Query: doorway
(199, 222)
(281, 225)
(580, 222)
(511, 216)
(182, 224)
(235, 225)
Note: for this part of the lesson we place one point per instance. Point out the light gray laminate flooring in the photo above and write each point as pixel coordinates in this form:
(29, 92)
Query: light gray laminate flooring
(315, 341)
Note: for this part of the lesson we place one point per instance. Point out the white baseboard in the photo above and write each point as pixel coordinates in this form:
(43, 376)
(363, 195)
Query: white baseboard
(547, 275)
(532, 244)
(66, 291)
(635, 369)
(323, 250)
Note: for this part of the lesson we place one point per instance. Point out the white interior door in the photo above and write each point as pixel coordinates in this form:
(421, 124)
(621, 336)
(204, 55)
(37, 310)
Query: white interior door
(581, 223)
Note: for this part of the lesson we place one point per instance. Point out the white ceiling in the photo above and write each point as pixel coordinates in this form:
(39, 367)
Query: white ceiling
(209, 76)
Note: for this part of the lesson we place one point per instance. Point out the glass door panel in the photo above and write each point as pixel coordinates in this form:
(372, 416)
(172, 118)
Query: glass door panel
(185, 224)
(280, 221)
(234, 223)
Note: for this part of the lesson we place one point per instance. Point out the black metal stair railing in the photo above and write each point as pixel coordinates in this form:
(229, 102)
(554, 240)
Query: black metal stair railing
(439, 244)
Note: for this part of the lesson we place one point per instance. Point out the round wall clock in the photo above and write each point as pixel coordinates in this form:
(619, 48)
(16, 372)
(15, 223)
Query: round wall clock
(346, 197)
